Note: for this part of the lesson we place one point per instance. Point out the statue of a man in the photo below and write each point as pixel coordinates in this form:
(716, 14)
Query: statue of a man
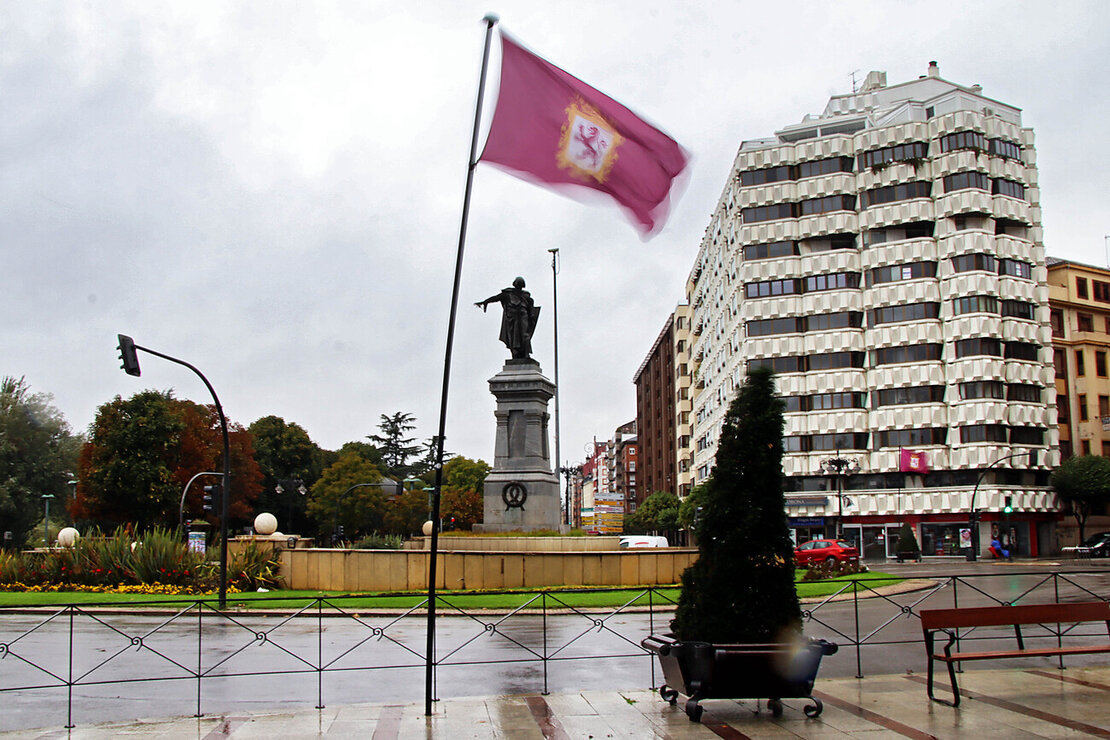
(518, 318)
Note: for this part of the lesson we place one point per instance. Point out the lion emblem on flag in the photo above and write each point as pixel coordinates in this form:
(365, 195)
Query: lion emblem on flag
(588, 147)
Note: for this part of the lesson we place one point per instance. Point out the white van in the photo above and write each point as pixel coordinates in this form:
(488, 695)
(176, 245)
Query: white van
(643, 540)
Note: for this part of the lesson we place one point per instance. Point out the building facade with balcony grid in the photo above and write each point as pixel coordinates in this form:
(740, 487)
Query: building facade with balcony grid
(885, 258)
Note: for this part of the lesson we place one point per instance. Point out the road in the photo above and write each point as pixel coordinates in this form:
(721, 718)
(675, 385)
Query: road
(130, 666)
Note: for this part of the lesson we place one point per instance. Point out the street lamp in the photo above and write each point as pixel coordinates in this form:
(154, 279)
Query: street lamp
(279, 490)
(569, 472)
(840, 467)
(128, 353)
(974, 517)
(46, 519)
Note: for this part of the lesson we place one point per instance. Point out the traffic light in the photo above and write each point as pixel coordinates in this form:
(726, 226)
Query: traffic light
(1008, 506)
(128, 356)
(210, 495)
(450, 524)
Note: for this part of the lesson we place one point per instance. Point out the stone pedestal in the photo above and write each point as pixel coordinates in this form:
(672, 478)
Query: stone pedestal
(521, 492)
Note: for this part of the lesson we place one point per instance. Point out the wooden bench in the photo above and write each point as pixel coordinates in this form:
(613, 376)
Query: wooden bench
(950, 621)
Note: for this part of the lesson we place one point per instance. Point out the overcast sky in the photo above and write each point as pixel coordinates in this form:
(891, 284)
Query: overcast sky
(272, 191)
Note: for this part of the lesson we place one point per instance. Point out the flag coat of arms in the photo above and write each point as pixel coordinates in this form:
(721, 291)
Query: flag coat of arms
(551, 128)
(914, 461)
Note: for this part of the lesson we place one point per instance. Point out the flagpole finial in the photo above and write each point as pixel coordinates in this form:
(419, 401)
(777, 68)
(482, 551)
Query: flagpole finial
(491, 19)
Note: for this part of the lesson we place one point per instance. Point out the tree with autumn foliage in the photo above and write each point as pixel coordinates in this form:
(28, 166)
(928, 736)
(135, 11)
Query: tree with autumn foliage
(143, 450)
(462, 494)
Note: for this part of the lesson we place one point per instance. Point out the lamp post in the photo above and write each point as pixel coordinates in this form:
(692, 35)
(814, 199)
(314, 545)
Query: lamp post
(555, 332)
(279, 490)
(974, 517)
(46, 519)
(569, 472)
(128, 354)
(840, 467)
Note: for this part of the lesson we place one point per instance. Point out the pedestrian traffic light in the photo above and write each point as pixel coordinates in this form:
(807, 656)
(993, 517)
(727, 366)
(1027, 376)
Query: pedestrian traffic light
(210, 494)
(1008, 507)
(128, 356)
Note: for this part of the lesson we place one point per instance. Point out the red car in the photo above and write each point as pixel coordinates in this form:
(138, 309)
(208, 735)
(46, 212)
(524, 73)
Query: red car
(816, 551)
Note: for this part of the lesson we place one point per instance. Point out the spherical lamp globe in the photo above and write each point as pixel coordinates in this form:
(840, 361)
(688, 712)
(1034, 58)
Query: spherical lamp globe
(68, 537)
(427, 528)
(265, 523)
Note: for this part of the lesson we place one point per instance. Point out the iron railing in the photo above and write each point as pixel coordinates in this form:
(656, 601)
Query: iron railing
(192, 656)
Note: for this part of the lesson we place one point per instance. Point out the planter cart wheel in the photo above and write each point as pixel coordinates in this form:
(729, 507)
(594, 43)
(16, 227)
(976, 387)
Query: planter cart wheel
(775, 705)
(694, 710)
(814, 709)
(669, 695)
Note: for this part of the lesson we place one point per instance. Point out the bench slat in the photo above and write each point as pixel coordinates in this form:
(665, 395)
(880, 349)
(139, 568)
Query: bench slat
(1030, 653)
(998, 616)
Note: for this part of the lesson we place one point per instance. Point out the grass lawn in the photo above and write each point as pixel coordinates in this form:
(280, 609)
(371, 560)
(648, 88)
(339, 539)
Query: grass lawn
(462, 600)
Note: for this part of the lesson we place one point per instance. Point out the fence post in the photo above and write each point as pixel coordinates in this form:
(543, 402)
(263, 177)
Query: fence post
(651, 630)
(1059, 633)
(69, 680)
(200, 654)
(544, 602)
(859, 648)
(319, 652)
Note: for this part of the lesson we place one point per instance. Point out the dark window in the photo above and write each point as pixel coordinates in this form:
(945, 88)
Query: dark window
(1084, 322)
(1023, 392)
(824, 167)
(1063, 408)
(830, 241)
(1016, 268)
(832, 281)
(790, 286)
(895, 273)
(906, 312)
(979, 346)
(845, 441)
(767, 327)
(1008, 187)
(1100, 364)
(983, 433)
(977, 261)
(894, 193)
(764, 176)
(1102, 291)
(827, 401)
(919, 229)
(793, 404)
(1081, 287)
(795, 443)
(1080, 365)
(1018, 309)
(975, 304)
(1056, 321)
(909, 353)
(965, 180)
(840, 320)
(774, 249)
(1060, 360)
(900, 153)
(913, 437)
(981, 389)
(827, 204)
(1026, 436)
(1023, 351)
(1103, 406)
(912, 394)
(790, 364)
(963, 140)
(835, 360)
(1003, 148)
(767, 213)
(1083, 407)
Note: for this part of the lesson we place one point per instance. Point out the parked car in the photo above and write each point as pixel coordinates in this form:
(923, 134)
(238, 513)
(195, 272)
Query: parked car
(1095, 546)
(818, 551)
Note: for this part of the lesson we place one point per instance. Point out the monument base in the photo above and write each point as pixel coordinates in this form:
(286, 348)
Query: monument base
(521, 502)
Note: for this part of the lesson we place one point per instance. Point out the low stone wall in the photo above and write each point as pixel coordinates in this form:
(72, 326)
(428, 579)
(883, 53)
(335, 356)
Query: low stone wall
(407, 570)
(517, 544)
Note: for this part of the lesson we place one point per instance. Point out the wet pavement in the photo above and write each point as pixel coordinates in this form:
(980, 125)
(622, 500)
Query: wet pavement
(1021, 702)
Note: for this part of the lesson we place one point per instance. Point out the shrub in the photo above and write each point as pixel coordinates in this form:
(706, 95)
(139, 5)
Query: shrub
(825, 570)
(378, 541)
(254, 567)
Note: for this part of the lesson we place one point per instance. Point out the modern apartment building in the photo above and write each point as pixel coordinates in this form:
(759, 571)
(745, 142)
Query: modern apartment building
(885, 258)
(656, 415)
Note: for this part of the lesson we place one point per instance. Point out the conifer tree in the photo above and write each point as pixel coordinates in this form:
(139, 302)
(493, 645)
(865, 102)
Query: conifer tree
(741, 589)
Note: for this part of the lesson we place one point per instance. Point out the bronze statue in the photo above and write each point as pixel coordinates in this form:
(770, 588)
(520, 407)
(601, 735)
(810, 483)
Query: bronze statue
(518, 318)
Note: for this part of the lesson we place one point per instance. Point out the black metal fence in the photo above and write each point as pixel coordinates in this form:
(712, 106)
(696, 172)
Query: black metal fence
(98, 661)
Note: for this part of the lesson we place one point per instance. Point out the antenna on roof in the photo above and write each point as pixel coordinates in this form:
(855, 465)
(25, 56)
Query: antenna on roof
(853, 74)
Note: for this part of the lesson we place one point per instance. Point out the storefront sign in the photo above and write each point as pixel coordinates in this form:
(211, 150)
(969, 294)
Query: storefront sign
(807, 521)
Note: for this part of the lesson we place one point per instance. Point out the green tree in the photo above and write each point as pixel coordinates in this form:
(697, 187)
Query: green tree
(37, 455)
(741, 588)
(1083, 483)
(658, 514)
(688, 509)
(334, 500)
(287, 456)
(463, 488)
(405, 514)
(396, 448)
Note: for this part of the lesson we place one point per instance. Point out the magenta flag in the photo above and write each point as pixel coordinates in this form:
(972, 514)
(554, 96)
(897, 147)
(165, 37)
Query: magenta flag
(553, 129)
(914, 462)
